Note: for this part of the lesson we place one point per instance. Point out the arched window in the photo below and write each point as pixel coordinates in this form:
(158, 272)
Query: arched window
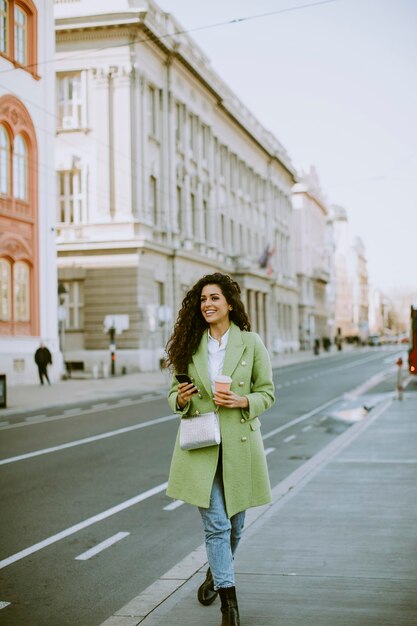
(5, 291)
(4, 25)
(21, 292)
(20, 168)
(4, 161)
(20, 35)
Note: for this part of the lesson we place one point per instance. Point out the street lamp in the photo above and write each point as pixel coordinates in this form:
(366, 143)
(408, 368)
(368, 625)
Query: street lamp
(62, 316)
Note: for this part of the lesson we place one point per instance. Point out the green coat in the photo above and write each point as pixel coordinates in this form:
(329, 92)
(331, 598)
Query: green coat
(245, 472)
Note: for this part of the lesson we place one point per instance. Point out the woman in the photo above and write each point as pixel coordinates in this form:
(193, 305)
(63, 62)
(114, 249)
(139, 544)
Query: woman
(212, 336)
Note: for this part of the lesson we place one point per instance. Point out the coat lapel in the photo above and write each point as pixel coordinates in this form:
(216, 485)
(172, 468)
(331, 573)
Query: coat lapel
(234, 350)
(200, 360)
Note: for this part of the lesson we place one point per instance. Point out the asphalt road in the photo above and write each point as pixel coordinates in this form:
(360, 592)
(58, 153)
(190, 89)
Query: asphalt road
(73, 481)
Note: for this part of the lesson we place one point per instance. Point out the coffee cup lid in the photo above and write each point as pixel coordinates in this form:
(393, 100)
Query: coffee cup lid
(221, 378)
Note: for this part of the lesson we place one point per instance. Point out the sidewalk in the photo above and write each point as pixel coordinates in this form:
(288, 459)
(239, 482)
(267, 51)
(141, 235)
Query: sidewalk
(36, 397)
(336, 548)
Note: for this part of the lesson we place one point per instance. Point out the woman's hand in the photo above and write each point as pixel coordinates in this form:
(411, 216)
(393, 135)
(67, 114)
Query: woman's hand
(231, 400)
(185, 391)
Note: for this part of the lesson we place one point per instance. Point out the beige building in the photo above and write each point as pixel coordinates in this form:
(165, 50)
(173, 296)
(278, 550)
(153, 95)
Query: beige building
(349, 283)
(163, 176)
(360, 291)
(341, 283)
(312, 260)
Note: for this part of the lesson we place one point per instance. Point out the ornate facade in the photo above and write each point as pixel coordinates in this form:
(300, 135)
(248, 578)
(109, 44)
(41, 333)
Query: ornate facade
(163, 176)
(28, 306)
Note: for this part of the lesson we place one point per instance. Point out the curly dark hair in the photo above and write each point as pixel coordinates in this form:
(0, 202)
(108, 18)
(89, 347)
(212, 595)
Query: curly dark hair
(190, 324)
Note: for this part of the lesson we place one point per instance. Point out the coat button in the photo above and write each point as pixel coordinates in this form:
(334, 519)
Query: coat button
(243, 363)
(242, 382)
(200, 396)
(197, 413)
(244, 439)
(191, 378)
(242, 421)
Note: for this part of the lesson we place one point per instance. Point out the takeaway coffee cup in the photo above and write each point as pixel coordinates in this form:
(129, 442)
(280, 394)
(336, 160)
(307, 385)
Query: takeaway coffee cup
(222, 383)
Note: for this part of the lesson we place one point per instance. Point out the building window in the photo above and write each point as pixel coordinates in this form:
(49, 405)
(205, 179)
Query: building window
(71, 199)
(223, 156)
(74, 304)
(5, 291)
(192, 133)
(20, 168)
(205, 141)
(19, 32)
(153, 111)
(179, 124)
(70, 101)
(222, 231)
(206, 220)
(4, 6)
(21, 292)
(4, 161)
(20, 35)
(193, 207)
(153, 200)
(181, 225)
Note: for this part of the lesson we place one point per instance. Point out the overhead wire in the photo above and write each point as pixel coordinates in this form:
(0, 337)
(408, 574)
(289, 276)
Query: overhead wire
(238, 20)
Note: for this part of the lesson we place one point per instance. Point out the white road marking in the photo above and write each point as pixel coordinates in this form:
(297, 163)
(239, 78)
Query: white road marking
(368, 384)
(306, 428)
(81, 525)
(174, 505)
(269, 451)
(34, 418)
(80, 442)
(299, 419)
(72, 411)
(4, 604)
(101, 546)
(289, 438)
(4, 423)
(54, 418)
(100, 405)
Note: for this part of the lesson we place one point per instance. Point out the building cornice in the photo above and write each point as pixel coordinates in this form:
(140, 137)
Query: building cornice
(164, 31)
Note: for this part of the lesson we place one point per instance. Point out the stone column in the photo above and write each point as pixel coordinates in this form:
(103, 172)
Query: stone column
(261, 314)
(100, 206)
(252, 308)
(122, 138)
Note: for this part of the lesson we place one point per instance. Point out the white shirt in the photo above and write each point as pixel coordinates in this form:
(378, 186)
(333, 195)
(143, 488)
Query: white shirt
(216, 354)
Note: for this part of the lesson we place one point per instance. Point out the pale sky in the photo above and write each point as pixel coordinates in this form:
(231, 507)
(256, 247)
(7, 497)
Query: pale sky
(337, 85)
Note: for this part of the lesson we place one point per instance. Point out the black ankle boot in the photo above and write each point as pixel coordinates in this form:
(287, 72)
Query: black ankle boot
(206, 593)
(229, 608)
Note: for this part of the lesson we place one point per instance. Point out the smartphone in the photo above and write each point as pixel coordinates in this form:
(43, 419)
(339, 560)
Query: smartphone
(183, 378)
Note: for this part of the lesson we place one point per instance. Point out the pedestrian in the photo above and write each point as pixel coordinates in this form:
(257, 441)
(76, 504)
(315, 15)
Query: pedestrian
(43, 358)
(211, 337)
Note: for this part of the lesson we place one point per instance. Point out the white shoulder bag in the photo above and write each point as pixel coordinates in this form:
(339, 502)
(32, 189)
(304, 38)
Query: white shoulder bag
(200, 431)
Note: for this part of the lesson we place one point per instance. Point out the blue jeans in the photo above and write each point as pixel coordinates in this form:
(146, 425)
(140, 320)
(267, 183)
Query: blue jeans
(222, 534)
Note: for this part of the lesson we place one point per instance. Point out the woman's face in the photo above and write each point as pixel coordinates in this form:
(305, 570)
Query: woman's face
(214, 306)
